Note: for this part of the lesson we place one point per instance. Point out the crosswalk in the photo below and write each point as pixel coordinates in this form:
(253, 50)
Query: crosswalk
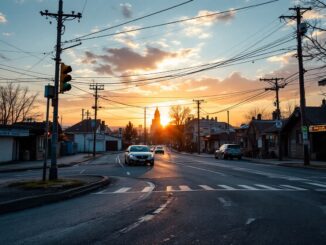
(308, 186)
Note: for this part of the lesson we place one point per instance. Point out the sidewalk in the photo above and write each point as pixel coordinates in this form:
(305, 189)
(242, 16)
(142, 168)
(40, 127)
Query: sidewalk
(28, 165)
(298, 163)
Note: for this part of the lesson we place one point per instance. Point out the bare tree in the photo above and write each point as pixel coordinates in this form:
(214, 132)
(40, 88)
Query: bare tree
(315, 45)
(179, 114)
(255, 111)
(130, 134)
(16, 103)
(288, 109)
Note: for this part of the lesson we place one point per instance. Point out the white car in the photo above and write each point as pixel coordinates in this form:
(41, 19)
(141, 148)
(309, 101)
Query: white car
(228, 151)
(139, 154)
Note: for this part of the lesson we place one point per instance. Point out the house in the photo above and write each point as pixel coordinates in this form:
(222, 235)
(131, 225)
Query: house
(212, 133)
(316, 120)
(23, 141)
(262, 137)
(82, 133)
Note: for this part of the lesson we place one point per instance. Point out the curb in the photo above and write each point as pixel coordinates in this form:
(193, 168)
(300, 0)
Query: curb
(34, 201)
(60, 165)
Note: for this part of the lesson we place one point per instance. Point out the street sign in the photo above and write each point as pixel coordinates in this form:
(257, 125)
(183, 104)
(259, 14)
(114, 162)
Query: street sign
(317, 128)
(304, 130)
(278, 124)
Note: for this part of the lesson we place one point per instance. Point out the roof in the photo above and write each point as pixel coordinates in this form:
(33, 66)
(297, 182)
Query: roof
(314, 116)
(266, 126)
(87, 126)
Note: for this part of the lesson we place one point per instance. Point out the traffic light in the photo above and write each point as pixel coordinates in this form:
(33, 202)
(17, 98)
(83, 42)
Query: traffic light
(65, 78)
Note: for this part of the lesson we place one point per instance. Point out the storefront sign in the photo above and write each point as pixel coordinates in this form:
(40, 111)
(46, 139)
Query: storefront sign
(317, 128)
(14, 133)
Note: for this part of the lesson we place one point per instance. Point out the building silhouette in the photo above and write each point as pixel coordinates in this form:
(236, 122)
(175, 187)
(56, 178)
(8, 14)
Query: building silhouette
(156, 128)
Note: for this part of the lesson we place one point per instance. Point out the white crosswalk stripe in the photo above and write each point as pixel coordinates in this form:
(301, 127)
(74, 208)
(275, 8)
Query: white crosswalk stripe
(226, 187)
(184, 188)
(267, 187)
(207, 188)
(248, 187)
(294, 187)
(148, 189)
(317, 184)
(169, 188)
(122, 190)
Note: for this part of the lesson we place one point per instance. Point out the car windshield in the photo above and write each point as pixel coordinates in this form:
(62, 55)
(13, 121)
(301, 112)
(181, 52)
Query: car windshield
(234, 146)
(139, 149)
(159, 147)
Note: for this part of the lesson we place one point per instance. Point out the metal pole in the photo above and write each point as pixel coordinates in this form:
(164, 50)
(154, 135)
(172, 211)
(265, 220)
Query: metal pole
(145, 131)
(53, 173)
(46, 139)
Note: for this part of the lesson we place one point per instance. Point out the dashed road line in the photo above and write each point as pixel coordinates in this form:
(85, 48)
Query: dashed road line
(185, 188)
(249, 187)
(317, 184)
(294, 187)
(206, 187)
(267, 187)
(148, 189)
(226, 187)
(123, 190)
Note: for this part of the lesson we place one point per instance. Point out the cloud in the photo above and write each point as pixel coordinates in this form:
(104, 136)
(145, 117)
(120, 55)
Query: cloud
(283, 59)
(125, 59)
(7, 34)
(198, 27)
(126, 10)
(4, 57)
(128, 37)
(2, 18)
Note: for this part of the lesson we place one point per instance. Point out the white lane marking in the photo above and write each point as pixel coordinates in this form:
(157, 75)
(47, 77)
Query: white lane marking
(316, 184)
(203, 169)
(184, 188)
(117, 159)
(82, 171)
(169, 188)
(206, 187)
(250, 220)
(145, 218)
(294, 187)
(227, 187)
(224, 202)
(122, 190)
(148, 189)
(267, 187)
(249, 187)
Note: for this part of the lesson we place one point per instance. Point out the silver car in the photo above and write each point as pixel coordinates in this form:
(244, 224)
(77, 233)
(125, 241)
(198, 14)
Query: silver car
(139, 154)
(227, 151)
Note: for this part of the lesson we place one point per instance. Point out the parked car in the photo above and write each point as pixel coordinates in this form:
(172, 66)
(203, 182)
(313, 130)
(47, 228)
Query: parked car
(139, 154)
(227, 151)
(159, 150)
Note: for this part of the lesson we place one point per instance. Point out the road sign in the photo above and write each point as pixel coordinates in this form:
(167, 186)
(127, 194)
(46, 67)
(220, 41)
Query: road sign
(304, 130)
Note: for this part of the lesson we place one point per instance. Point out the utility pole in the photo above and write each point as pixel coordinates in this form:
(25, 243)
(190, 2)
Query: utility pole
(198, 102)
(276, 87)
(87, 127)
(96, 87)
(301, 29)
(228, 118)
(83, 128)
(60, 17)
(145, 130)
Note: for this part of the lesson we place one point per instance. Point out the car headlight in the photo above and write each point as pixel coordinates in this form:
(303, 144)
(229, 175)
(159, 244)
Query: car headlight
(132, 156)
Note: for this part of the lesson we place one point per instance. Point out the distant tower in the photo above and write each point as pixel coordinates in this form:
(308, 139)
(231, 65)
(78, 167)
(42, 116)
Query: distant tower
(156, 127)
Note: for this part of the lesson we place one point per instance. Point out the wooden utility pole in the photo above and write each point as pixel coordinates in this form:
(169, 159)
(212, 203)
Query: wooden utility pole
(301, 30)
(145, 130)
(60, 17)
(276, 87)
(96, 87)
(198, 102)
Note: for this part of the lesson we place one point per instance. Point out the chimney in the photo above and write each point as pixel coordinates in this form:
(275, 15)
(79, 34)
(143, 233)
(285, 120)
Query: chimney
(203, 118)
(259, 116)
(216, 119)
(207, 117)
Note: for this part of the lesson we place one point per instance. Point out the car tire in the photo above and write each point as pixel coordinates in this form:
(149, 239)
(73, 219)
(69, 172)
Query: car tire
(225, 157)
(152, 163)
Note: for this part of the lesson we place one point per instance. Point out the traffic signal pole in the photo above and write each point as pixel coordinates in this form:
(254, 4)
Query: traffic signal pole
(60, 17)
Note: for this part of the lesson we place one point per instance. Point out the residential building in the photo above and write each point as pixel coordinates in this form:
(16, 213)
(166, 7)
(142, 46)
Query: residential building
(82, 133)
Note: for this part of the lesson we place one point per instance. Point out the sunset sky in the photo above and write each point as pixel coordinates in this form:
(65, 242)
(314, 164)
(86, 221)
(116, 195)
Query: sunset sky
(216, 57)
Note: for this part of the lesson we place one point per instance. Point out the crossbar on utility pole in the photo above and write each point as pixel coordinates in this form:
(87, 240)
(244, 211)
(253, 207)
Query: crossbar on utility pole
(276, 87)
(96, 87)
(304, 127)
(60, 17)
(198, 102)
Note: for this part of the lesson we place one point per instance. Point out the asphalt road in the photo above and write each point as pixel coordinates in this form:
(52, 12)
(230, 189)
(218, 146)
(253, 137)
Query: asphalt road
(183, 199)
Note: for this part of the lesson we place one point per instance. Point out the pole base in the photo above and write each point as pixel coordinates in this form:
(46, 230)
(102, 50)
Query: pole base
(53, 173)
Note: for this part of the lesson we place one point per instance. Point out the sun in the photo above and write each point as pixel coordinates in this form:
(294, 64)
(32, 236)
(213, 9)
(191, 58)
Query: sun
(165, 120)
